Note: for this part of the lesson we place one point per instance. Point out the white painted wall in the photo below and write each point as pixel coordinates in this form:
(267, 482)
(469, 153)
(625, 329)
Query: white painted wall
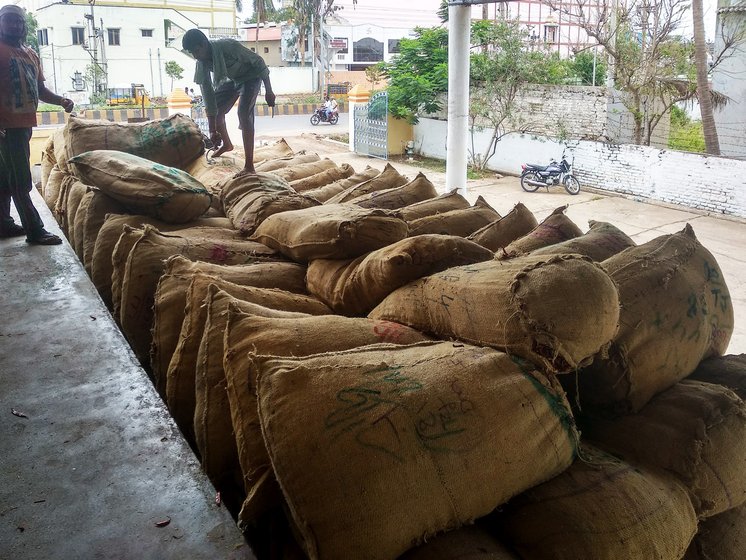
(287, 79)
(709, 183)
(729, 77)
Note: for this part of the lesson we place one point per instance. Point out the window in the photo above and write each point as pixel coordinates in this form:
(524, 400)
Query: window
(394, 45)
(367, 50)
(253, 49)
(550, 33)
(147, 32)
(113, 36)
(266, 50)
(42, 37)
(78, 35)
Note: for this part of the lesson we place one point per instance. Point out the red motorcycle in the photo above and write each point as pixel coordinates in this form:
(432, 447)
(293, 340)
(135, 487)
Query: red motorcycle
(320, 115)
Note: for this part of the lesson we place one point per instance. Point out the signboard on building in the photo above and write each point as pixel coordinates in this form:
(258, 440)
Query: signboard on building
(338, 43)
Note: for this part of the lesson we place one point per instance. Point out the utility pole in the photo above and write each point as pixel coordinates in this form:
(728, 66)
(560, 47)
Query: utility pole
(459, 38)
(160, 73)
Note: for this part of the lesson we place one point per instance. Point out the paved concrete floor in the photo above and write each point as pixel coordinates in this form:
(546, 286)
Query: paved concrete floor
(90, 461)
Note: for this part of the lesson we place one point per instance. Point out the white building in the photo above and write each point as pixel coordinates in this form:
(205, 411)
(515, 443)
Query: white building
(129, 41)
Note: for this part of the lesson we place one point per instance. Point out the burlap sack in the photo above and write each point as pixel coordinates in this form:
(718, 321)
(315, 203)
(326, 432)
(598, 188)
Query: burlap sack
(322, 194)
(71, 196)
(530, 307)
(602, 241)
(695, 431)
(248, 212)
(303, 170)
(602, 508)
(246, 332)
(554, 229)
(323, 178)
(102, 267)
(722, 537)
(279, 149)
(77, 232)
(180, 377)
(462, 222)
(146, 263)
(174, 141)
(99, 206)
(171, 298)
(728, 371)
(60, 149)
(53, 186)
(331, 231)
(355, 287)
(675, 312)
(438, 205)
(273, 164)
(234, 189)
(467, 543)
(516, 223)
(389, 178)
(418, 189)
(48, 162)
(212, 176)
(144, 187)
(379, 448)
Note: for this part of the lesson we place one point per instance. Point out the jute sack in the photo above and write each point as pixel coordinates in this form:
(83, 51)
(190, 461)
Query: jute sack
(462, 222)
(331, 231)
(180, 377)
(602, 241)
(171, 298)
(467, 543)
(520, 306)
(52, 187)
(67, 205)
(142, 186)
(379, 448)
(438, 205)
(146, 263)
(355, 287)
(389, 178)
(602, 508)
(247, 213)
(212, 176)
(246, 332)
(235, 188)
(323, 178)
(694, 431)
(76, 237)
(675, 312)
(108, 236)
(48, 161)
(279, 163)
(554, 229)
(303, 170)
(60, 148)
(418, 189)
(279, 149)
(722, 537)
(728, 371)
(514, 225)
(89, 219)
(322, 194)
(174, 141)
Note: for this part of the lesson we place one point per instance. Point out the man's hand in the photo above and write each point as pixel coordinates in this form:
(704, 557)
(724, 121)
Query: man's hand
(67, 104)
(269, 97)
(216, 139)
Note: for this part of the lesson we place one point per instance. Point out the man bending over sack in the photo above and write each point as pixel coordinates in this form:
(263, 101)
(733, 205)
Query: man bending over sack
(227, 71)
(21, 88)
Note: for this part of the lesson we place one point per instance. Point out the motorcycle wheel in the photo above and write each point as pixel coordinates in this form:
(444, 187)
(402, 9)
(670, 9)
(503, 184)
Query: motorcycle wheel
(334, 119)
(315, 120)
(572, 185)
(530, 176)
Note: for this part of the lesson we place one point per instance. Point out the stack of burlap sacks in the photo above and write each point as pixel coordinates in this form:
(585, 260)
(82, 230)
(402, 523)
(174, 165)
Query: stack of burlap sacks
(367, 369)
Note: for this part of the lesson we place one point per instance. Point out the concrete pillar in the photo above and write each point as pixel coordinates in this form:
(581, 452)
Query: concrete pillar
(459, 31)
(358, 95)
(179, 102)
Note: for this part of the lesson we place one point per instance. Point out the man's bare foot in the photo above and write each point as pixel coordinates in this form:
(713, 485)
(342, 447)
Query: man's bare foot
(223, 149)
(245, 171)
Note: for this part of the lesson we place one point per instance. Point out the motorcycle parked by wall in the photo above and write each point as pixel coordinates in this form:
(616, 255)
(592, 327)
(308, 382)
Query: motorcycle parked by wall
(319, 116)
(534, 176)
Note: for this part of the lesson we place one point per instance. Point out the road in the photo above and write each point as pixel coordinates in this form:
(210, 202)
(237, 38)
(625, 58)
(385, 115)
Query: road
(286, 125)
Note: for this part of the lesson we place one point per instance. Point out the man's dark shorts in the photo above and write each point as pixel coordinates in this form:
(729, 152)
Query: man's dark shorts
(228, 92)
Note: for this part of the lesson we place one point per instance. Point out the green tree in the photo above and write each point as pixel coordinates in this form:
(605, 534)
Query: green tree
(31, 27)
(174, 71)
(309, 14)
(686, 134)
(581, 67)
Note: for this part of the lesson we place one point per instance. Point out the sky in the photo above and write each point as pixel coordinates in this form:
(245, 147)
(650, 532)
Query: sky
(405, 13)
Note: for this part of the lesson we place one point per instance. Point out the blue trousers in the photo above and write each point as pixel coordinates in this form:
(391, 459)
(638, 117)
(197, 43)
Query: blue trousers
(16, 182)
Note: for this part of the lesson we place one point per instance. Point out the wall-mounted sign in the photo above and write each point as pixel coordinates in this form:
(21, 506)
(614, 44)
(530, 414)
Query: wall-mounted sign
(338, 43)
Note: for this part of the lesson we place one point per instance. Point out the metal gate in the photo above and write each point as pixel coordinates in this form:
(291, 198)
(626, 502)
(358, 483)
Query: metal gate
(371, 126)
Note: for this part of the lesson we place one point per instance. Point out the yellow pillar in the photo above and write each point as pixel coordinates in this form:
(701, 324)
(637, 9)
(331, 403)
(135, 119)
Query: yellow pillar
(179, 102)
